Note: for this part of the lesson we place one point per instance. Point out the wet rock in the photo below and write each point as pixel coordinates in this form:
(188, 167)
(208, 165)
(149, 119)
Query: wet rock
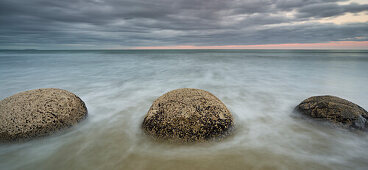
(39, 112)
(336, 110)
(187, 115)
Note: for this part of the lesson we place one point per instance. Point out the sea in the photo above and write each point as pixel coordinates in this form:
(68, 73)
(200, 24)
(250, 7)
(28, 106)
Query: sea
(260, 88)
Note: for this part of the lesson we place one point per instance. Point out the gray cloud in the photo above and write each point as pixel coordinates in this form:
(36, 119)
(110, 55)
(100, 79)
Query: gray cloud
(128, 23)
(330, 10)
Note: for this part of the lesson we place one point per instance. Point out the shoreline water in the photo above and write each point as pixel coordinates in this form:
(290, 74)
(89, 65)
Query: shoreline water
(260, 88)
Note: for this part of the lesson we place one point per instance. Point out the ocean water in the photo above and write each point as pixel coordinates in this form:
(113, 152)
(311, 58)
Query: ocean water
(260, 88)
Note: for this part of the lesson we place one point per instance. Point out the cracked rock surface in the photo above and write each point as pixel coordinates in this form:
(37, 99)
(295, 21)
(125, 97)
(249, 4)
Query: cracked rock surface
(38, 113)
(336, 110)
(187, 115)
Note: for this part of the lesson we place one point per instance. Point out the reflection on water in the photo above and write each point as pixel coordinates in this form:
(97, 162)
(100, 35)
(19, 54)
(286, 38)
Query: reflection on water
(261, 88)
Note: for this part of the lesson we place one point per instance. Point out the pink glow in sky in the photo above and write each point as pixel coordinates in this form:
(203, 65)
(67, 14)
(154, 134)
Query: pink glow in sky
(328, 45)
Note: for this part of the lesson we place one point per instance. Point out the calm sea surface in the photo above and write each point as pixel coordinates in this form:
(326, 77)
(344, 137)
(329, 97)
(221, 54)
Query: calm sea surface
(260, 87)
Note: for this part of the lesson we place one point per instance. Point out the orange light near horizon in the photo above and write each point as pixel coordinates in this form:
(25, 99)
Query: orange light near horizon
(328, 45)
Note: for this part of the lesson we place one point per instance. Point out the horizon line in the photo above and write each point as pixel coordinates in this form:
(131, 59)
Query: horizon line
(332, 45)
(133, 49)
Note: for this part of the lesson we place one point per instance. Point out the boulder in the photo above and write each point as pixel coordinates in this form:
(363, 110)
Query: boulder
(38, 113)
(336, 110)
(187, 115)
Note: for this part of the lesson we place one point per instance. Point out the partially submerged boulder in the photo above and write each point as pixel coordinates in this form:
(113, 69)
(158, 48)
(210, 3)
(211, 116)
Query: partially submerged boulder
(336, 110)
(39, 112)
(187, 115)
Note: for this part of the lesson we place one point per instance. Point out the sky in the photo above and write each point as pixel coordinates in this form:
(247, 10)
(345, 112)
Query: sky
(183, 24)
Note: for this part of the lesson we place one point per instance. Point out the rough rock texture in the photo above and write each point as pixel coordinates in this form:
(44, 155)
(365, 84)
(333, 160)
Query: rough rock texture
(336, 110)
(187, 115)
(39, 112)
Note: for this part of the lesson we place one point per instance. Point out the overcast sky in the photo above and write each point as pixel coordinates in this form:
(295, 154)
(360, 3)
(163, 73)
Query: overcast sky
(119, 24)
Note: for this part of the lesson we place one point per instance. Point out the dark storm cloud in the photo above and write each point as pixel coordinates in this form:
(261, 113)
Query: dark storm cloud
(127, 23)
(329, 10)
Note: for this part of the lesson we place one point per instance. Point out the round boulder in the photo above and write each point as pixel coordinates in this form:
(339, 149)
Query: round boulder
(187, 115)
(38, 113)
(336, 110)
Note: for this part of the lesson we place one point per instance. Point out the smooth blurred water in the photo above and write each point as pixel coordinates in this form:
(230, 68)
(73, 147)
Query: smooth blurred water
(260, 87)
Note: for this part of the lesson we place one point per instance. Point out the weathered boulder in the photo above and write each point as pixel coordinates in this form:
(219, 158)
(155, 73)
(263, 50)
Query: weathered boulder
(38, 113)
(336, 110)
(187, 115)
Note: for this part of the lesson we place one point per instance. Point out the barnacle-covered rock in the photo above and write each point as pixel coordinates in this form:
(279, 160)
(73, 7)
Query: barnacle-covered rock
(336, 110)
(39, 112)
(187, 115)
